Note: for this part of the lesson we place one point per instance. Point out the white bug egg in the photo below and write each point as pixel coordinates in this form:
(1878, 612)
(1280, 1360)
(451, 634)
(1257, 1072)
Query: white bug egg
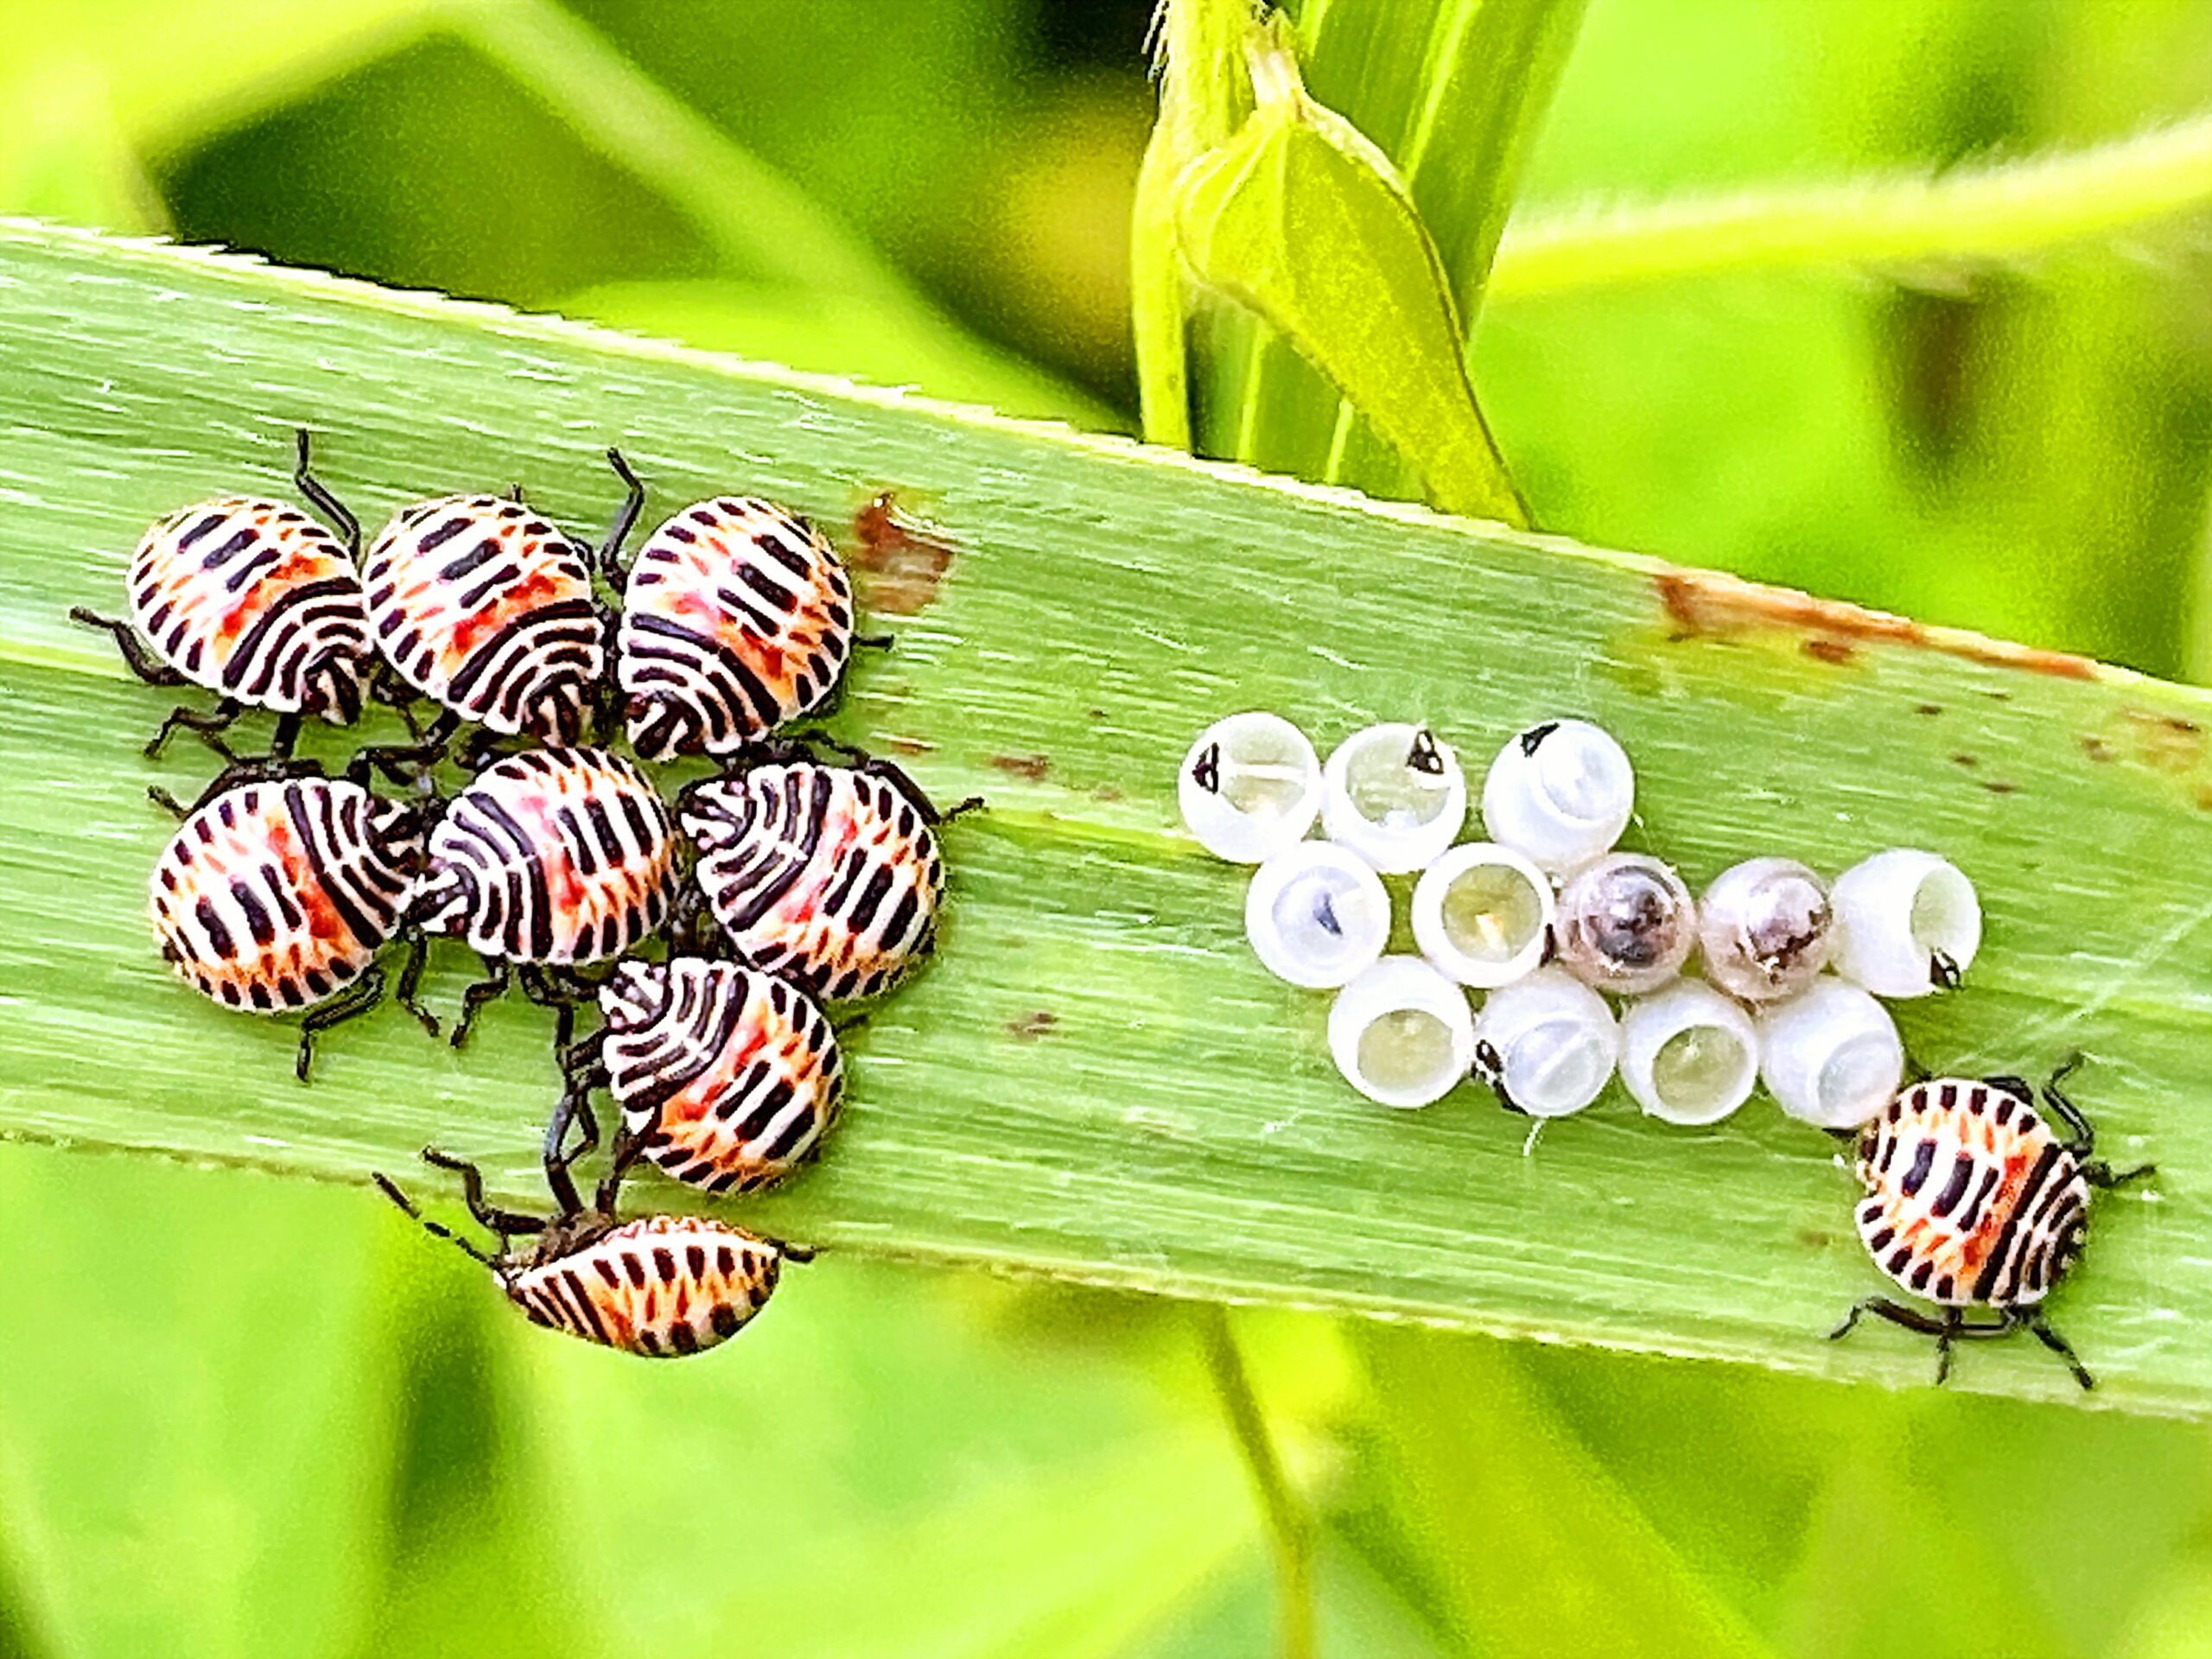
(1766, 929)
(1316, 915)
(1689, 1055)
(1626, 924)
(1907, 923)
(1393, 795)
(1560, 792)
(1546, 1044)
(1830, 1057)
(1250, 787)
(1482, 913)
(1402, 1032)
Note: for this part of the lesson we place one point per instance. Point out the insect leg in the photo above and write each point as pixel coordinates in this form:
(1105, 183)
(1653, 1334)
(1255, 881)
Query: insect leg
(207, 727)
(2085, 1136)
(2097, 1173)
(609, 557)
(410, 979)
(505, 1222)
(573, 1108)
(2057, 1344)
(1912, 1319)
(499, 975)
(390, 758)
(150, 669)
(351, 1003)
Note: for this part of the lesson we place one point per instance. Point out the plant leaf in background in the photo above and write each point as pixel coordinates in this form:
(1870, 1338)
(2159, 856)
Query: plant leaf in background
(1451, 94)
(219, 1424)
(2014, 437)
(1301, 220)
(1205, 93)
(1535, 1578)
(100, 88)
(1456, 94)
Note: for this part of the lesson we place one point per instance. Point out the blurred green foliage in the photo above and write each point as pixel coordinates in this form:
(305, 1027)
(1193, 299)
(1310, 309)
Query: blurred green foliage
(239, 1417)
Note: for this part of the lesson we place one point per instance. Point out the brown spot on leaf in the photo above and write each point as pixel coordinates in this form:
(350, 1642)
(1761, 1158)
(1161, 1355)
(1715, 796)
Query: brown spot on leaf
(1963, 759)
(900, 562)
(2164, 743)
(1999, 786)
(1928, 709)
(2096, 748)
(1031, 766)
(1703, 604)
(1836, 653)
(2204, 797)
(1028, 1027)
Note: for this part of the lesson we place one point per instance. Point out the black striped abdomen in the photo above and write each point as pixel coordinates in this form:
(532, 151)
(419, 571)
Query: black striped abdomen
(275, 895)
(663, 1286)
(556, 855)
(731, 1075)
(485, 607)
(737, 617)
(1971, 1199)
(825, 875)
(255, 601)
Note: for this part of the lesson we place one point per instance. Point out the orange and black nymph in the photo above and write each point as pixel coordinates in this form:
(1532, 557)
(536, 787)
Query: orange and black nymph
(827, 875)
(278, 893)
(730, 1077)
(484, 607)
(661, 1287)
(736, 618)
(1975, 1200)
(254, 601)
(551, 857)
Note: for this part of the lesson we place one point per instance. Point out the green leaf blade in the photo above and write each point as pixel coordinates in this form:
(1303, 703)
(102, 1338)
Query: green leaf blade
(1174, 1125)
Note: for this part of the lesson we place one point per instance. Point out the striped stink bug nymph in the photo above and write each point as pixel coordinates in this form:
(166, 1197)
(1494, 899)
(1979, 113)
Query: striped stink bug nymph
(728, 1076)
(483, 605)
(829, 875)
(256, 602)
(276, 894)
(551, 857)
(736, 617)
(1974, 1199)
(661, 1287)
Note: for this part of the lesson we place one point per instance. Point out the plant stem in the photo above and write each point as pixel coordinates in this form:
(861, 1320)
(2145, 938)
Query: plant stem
(759, 221)
(1203, 95)
(1994, 211)
(1288, 1523)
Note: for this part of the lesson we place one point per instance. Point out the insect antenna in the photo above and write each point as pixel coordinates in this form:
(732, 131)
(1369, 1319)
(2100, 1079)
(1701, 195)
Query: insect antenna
(436, 1229)
(505, 1222)
(319, 495)
(609, 555)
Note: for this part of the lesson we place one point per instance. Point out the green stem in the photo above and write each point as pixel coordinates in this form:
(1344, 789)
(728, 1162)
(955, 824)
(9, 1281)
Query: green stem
(1203, 96)
(758, 219)
(1288, 1523)
(1989, 212)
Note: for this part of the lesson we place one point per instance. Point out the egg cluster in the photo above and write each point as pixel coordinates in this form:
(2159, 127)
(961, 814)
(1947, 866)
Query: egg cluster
(1546, 920)
(708, 938)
